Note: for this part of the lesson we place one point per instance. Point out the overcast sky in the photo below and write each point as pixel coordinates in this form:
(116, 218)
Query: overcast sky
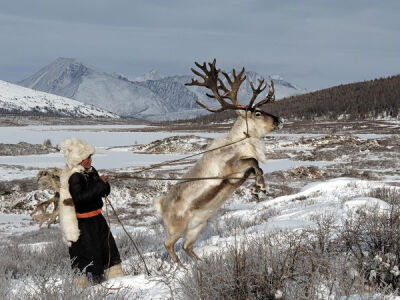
(314, 44)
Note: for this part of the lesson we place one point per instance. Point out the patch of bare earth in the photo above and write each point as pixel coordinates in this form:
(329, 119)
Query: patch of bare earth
(174, 144)
(23, 148)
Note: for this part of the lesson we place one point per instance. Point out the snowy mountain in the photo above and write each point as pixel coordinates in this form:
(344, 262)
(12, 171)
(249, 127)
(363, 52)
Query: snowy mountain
(151, 96)
(70, 78)
(175, 96)
(17, 99)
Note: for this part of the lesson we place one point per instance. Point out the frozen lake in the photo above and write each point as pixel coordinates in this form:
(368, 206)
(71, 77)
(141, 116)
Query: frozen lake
(103, 159)
(97, 135)
(103, 137)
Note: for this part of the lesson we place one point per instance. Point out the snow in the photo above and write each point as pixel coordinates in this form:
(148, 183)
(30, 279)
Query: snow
(11, 224)
(97, 135)
(295, 211)
(103, 159)
(11, 173)
(285, 164)
(16, 98)
(356, 203)
(112, 143)
(149, 288)
(336, 197)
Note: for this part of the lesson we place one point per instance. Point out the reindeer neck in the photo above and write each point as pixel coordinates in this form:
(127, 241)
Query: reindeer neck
(239, 130)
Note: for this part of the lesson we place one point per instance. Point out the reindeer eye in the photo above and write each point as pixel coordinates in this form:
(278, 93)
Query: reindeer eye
(258, 114)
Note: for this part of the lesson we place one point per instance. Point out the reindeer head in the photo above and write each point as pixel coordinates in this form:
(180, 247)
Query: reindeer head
(258, 122)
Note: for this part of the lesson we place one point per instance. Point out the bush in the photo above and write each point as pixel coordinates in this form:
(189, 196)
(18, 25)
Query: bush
(274, 266)
(372, 236)
(42, 270)
(307, 264)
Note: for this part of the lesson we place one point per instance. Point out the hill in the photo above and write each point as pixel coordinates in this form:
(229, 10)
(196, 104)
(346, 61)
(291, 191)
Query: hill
(15, 99)
(378, 98)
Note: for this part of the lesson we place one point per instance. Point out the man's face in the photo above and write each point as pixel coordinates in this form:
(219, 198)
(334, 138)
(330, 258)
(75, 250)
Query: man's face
(87, 163)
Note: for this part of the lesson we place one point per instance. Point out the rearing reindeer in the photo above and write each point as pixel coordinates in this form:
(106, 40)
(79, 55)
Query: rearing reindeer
(187, 206)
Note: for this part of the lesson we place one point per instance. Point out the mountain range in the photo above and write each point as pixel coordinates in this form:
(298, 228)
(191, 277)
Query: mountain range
(151, 97)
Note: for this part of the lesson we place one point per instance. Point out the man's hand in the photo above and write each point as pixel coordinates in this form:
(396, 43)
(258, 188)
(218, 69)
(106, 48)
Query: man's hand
(104, 178)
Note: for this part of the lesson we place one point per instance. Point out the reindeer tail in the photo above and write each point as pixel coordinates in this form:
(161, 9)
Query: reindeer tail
(158, 202)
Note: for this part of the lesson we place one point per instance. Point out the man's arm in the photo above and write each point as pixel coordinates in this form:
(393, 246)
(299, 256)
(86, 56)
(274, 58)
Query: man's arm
(80, 194)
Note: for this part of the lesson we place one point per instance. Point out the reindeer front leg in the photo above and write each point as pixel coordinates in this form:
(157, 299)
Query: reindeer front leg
(259, 184)
(251, 167)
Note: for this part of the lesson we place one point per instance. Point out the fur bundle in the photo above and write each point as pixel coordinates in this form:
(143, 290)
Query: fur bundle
(75, 150)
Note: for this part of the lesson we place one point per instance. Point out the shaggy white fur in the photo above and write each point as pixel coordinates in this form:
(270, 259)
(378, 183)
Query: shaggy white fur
(75, 151)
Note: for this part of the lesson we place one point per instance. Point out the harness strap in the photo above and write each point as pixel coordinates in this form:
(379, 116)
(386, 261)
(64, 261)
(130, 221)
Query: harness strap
(89, 214)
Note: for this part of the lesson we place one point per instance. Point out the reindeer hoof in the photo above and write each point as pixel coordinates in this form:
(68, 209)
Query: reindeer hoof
(181, 265)
(194, 256)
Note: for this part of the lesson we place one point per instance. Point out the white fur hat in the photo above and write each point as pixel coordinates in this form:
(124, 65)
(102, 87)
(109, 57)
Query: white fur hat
(76, 150)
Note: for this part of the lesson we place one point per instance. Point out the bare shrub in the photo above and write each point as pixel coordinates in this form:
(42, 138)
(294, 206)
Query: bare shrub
(47, 143)
(256, 268)
(308, 264)
(372, 235)
(36, 265)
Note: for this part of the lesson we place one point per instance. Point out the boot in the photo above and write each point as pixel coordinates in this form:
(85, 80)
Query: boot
(81, 281)
(113, 272)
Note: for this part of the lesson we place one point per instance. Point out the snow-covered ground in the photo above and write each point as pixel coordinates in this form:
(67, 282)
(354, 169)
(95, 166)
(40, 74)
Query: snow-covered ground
(307, 175)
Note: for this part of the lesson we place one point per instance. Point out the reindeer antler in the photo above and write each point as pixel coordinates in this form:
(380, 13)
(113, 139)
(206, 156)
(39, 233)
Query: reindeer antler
(215, 84)
(269, 98)
(48, 179)
(212, 81)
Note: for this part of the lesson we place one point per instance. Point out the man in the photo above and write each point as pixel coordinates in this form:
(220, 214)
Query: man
(92, 247)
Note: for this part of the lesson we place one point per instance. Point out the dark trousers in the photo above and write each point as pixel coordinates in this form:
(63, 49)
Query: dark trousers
(95, 249)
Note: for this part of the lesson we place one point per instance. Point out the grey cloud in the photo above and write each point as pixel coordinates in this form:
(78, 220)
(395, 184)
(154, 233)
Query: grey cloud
(314, 44)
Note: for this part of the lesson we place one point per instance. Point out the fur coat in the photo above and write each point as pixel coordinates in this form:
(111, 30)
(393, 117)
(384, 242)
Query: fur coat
(75, 151)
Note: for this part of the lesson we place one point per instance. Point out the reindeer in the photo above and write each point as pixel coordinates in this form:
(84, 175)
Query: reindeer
(48, 179)
(226, 164)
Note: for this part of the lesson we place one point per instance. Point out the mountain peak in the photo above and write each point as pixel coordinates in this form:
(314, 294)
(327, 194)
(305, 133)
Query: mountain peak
(60, 75)
(66, 59)
(151, 75)
(65, 62)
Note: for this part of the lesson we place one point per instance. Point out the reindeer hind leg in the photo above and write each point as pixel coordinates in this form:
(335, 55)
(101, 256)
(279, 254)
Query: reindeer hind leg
(191, 236)
(169, 244)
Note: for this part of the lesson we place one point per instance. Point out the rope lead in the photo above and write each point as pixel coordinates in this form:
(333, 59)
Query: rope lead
(128, 234)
